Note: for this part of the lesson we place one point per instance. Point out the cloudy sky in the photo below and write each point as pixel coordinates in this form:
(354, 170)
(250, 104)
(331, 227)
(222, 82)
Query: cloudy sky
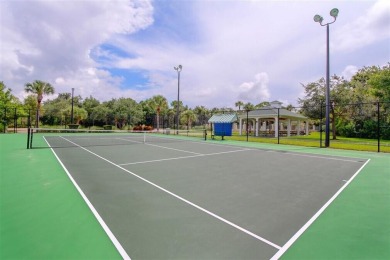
(252, 51)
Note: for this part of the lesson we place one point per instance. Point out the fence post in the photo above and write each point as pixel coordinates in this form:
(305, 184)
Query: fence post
(247, 124)
(321, 124)
(29, 119)
(5, 119)
(378, 128)
(279, 126)
(15, 121)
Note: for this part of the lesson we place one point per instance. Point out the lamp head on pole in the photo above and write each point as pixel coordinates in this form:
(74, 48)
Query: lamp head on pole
(178, 68)
(319, 19)
(334, 12)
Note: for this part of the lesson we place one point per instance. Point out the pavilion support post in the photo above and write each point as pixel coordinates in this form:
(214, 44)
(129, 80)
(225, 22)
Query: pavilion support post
(299, 128)
(307, 128)
(257, 127)
(240, 126)
(289, 127)
(276, 126)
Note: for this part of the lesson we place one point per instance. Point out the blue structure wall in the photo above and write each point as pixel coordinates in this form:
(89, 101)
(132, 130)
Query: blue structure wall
(223, 129)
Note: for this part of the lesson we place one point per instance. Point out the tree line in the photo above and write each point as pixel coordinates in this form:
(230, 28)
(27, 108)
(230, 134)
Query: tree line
(352, 106)
(359, 107)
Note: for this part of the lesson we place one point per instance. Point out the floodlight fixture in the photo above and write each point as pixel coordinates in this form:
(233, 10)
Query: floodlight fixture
(178, 68)
(319, 19)
(334, 12)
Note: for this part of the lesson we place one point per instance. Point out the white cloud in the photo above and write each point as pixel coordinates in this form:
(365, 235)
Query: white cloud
(255, 91)
(48, 40)
(349, 71)
(221, 45)
(369, 27)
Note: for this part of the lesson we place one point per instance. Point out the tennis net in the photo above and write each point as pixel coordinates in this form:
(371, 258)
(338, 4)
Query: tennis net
(62, 138)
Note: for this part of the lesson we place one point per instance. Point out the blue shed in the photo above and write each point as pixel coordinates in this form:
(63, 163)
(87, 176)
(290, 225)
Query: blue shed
(222, 124)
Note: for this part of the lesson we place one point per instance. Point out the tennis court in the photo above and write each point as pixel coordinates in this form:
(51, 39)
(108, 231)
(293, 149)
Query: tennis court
(172, 198)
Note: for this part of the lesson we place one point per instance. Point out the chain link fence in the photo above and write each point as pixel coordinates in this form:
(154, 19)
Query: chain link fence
(359, 126)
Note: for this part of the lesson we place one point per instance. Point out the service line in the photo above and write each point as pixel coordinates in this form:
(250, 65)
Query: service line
(184, 200)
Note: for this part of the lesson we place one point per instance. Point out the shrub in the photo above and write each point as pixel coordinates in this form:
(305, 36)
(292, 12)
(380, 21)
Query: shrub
(143, 128)
(73, 126)
(347, 130)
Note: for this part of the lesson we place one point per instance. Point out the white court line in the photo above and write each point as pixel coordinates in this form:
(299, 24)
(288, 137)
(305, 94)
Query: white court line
(185, 157)
(169, 148)
(319, 212)
(320, 157)
(114, 240)
(184, 200)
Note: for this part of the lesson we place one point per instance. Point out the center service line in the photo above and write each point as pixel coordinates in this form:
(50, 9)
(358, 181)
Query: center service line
(184, 157)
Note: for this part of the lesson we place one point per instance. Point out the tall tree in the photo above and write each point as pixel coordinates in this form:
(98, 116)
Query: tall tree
(380, 83)
(239, 104)
(6, 96)
(90, 103)
(263, 104)
(6, 101)
(39, 88)
(174, 105)
(123, 109)
(249, 106)
(159, 105)
(187, 117)
(78, 113)
(313, 104)
(202, 113)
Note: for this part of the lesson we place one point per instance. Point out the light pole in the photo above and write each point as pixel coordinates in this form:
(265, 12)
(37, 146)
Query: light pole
(178, 69)
(71, 113)
(318, 18)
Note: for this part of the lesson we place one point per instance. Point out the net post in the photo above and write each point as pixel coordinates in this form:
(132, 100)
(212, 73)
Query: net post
(144, 137)
(205, 134)
(28, 137)
(31, 137)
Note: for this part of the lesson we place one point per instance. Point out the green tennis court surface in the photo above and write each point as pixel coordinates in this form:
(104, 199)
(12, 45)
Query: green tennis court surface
(174, 199)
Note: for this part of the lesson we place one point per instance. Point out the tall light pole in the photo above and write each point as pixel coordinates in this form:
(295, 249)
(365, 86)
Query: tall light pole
(319, 19)
(71, 113)
(178, 69)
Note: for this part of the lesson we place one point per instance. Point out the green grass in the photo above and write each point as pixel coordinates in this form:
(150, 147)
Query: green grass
(313, 140)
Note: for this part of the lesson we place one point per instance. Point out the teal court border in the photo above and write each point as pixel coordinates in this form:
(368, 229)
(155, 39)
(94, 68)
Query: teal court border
(41, 211)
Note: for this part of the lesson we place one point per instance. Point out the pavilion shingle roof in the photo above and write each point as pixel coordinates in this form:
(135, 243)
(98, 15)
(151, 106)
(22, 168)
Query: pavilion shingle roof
(272, 112)
(223, 118)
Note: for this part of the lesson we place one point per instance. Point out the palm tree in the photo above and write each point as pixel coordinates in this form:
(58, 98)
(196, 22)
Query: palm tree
(39, 88)
(202, 113)
(188, 117)
(160, 104)
(249, 106)
(239, 104)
